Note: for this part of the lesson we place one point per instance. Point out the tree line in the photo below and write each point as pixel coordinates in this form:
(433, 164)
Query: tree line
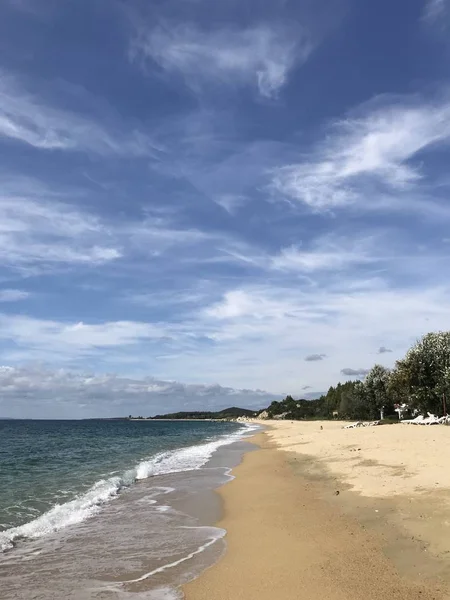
(421, 381)
(226, 413)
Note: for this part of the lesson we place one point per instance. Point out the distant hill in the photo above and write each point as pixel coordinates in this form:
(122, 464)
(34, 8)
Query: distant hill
(226, 413)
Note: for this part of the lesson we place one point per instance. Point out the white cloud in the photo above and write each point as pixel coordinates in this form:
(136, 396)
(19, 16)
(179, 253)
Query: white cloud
(326, 253)
(373, 150)
(60, 393)
(261, 333)
(155, 235)
(36, 232)
(261, 56)
(251, 336)
(230, 202)
(13, 295)
(240, 303)
(44, 337)
(28, 119)
(41, 231)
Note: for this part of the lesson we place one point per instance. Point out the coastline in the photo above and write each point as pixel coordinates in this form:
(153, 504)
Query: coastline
(158, 533)
(290, 535)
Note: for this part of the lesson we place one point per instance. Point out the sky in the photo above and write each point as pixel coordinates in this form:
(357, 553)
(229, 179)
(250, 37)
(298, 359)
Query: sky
(207, 204)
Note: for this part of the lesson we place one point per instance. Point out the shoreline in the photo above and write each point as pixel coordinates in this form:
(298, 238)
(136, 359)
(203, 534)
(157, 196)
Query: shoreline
(158, 534)
(290, 535)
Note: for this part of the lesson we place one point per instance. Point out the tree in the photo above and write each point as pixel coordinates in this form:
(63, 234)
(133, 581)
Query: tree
(399, 383)
(331, 401)
(426, 368)
(274, 409)
(376, 386)
(421, 380)
(343, 398)
(344, 404)
(359, 407)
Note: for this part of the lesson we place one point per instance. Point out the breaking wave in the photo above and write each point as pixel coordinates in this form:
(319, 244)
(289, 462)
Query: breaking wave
(89, 503)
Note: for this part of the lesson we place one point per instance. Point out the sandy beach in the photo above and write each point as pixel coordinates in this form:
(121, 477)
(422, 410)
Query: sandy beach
(317, 511)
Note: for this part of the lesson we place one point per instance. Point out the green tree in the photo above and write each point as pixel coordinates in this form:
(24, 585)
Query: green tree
(274, 409)
(376, 386)
(426, 368)
(359, 407)
(399, 384)
(346, 406)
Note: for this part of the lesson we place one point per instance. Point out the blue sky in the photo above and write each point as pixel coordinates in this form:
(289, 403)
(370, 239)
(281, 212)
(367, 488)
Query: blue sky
(206, 204)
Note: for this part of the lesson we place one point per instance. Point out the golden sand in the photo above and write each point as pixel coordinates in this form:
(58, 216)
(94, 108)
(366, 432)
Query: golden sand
(404, 459)
(291, 536)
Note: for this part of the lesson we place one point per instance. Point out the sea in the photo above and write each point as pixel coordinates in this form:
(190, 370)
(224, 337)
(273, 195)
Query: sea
(111, 509)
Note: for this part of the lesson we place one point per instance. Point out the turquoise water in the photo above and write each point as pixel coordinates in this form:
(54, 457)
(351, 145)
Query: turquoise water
(54, 474)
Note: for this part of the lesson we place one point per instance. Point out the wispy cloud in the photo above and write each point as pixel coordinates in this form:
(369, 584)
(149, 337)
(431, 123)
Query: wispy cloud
(13, 295)
(72, 339)
(230, 202)
(250, 336)
(434, 9)
(187, 259)
(325, 253)
(436, 15)
(37, 231)
(277, 323)
(42, 229)
(328, 253)
(370, 151)
(260, 56)
(29, 119)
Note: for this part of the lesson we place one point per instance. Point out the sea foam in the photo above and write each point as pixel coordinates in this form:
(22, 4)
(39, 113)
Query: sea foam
(88, 504)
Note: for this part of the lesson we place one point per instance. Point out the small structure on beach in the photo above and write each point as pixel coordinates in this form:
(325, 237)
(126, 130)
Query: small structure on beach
(401, 409)
(281, 416)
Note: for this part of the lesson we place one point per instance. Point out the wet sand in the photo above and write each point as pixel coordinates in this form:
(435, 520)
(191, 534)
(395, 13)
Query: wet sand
(391, 473)
(152, 538)
(290, 535)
